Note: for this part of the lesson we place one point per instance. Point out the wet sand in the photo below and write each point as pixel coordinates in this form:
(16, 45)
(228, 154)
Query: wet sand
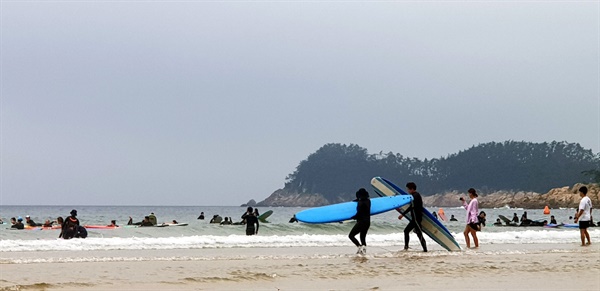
(491, 267)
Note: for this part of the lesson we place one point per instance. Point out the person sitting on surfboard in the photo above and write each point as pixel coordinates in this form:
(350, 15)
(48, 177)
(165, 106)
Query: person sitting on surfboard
(363, 221)
(416, 211)
(69, 226)
(552, 220)
(452, 218)
(515, 218)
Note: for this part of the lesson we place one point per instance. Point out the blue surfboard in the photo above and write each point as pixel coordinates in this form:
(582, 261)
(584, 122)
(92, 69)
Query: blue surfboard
(430, 225)
(344, 211)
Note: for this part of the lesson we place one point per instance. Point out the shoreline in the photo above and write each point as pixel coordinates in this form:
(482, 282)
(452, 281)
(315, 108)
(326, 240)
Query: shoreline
(492, 266)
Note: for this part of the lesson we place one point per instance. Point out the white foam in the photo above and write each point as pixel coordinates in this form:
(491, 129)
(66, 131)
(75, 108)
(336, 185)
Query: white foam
(242, 241)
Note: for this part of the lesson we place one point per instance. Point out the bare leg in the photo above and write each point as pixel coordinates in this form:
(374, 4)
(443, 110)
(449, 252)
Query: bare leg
(466, 233)
(582, 235)
(587, 235)
(475, 239)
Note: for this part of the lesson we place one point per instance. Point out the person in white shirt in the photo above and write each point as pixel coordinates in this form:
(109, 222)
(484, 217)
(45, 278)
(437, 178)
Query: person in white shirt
(584, 215)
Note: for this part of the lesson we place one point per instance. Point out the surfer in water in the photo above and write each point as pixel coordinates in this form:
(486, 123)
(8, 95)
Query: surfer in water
(250, 221)
(473, 225)
(363, 221)
(416, 211)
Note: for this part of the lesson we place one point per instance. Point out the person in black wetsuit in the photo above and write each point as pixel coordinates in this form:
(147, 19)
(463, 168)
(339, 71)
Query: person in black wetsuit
(250, 221)
(416, 211)
(363, 221)
(293, 219)
(70, 226)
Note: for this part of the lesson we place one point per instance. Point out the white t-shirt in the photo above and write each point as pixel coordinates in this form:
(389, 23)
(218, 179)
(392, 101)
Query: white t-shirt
(586, 205)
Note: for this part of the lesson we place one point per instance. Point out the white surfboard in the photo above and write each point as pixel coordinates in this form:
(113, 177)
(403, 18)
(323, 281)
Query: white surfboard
(430, 225)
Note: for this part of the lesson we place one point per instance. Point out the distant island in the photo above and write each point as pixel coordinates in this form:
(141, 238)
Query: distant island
(517, 174)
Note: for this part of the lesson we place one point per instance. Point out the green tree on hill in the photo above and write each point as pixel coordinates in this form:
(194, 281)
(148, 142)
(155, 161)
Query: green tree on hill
(337, 170)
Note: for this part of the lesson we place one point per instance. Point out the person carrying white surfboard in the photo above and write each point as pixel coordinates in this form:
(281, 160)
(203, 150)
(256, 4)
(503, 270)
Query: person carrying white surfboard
(363, 221)
(416, 210)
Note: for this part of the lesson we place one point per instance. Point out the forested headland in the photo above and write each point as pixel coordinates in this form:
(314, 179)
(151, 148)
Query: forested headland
(335, 171)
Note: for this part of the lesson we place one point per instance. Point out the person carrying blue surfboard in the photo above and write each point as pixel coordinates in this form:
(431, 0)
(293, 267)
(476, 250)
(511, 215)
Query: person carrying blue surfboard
(363, 221)
(416, 211)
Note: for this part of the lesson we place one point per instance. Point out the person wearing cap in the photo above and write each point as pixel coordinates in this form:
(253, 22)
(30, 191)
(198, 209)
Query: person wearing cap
(30, 221)
(363, 221)
(69, 226)
(18, 224)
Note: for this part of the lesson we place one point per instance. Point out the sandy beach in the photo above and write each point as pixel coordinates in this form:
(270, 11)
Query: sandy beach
(491, 267)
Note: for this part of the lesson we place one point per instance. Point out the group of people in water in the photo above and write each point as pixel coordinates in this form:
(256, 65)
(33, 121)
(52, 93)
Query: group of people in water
(475, 219)
(70, 227)
(249, 218)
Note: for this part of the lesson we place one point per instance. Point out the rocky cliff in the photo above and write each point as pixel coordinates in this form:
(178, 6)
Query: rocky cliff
(555, 198)
(282, 197)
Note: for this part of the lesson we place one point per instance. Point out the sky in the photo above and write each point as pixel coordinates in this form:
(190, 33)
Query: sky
(217, 102)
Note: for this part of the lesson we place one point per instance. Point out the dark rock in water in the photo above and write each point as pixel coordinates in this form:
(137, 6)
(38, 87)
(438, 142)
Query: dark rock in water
(250, 203)
(286, 198)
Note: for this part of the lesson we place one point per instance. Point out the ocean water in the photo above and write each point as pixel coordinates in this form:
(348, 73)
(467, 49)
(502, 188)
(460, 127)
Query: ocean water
(386, 229)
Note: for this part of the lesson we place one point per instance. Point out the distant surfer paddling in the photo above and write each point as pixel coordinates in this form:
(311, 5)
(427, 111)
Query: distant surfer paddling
(363, 221)
(416, 211)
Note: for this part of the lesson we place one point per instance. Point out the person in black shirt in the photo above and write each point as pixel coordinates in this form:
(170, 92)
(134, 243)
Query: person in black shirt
(18, 224)
(250, 221)
(146, 221)
(363, 221)
(70, 226)
(416, 211)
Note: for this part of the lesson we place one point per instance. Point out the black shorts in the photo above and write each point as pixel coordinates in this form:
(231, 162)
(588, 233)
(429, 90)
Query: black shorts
(474, 226)
(584, 224)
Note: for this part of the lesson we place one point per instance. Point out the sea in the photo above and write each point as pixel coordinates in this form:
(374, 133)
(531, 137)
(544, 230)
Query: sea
(386, 230)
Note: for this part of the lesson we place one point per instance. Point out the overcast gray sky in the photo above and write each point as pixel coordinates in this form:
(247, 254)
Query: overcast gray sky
(215, 103)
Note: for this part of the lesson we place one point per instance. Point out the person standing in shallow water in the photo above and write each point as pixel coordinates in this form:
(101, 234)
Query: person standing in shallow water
(250, 221)
(363, 221)
(584, 215)
(416, 211)
(472, 218)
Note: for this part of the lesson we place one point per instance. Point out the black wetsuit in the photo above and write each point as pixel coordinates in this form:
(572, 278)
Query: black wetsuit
(363, 222)
(18, 225)
(250, 221)
(416, 211)
(69, 227)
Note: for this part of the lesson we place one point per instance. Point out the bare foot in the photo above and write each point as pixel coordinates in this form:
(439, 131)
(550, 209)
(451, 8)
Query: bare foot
(589, 243)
